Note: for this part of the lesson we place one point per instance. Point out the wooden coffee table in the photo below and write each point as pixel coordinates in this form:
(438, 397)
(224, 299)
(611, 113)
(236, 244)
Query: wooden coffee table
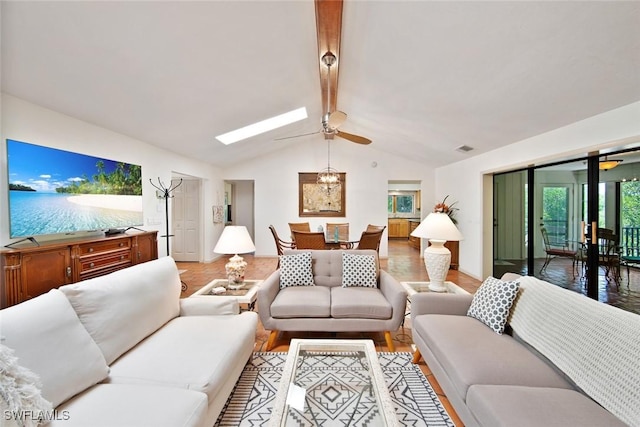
(332, 383)
(245, 295)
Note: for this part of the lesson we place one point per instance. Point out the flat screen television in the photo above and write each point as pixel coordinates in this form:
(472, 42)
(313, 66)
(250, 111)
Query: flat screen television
(53, 191)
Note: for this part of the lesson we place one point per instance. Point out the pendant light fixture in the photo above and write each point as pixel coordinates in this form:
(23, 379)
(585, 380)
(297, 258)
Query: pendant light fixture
(328, 178)
(607, 164)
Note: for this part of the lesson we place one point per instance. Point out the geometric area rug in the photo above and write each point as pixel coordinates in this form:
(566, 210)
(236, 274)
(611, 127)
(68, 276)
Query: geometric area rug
(414, 400)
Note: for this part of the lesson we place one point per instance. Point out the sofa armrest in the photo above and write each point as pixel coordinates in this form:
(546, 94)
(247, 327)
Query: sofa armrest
(435, 303)
(395, 294)
(267, 292)
(208, 306)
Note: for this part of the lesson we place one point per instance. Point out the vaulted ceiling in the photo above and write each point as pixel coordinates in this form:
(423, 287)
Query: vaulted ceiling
(419, 78)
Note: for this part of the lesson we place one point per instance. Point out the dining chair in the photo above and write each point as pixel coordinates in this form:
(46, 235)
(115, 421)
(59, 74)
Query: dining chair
(309, 239)
(281, 245)
(370, 240)
(343, 231)
(609, 254)
(556, 251)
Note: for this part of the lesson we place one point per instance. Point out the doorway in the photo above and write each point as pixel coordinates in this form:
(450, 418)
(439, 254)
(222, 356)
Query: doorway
(239, 204)
(185, 224)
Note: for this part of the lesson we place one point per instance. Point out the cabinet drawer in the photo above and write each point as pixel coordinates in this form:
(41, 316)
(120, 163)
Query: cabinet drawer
(118, 259)
(105, 246)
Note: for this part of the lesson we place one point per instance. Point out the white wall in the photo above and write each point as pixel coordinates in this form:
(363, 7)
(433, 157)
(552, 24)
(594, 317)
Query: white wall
(276, 186)
(23, 121)
(469, 181)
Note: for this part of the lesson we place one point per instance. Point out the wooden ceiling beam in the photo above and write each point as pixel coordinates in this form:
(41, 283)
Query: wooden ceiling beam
(329, 29)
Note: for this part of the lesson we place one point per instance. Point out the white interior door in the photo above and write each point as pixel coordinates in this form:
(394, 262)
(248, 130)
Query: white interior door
(186, 221)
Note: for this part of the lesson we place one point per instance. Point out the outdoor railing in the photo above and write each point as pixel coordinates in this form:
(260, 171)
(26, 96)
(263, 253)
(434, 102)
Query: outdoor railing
(630, 241)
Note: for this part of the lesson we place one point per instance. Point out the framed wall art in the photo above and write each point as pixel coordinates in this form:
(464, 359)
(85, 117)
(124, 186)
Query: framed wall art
(315, 200)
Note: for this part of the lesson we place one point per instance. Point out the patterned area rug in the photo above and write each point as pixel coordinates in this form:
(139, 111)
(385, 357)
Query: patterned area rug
(415, 401)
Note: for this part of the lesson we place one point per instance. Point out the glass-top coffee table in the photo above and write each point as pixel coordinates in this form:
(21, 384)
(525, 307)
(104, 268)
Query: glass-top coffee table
(245, 295)
(332, 383)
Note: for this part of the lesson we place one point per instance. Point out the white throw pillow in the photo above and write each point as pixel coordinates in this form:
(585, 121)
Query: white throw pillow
(359, 270)
(295, 270)
(492, 302)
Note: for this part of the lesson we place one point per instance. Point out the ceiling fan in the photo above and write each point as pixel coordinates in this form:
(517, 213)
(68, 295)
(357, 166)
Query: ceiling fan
(329, 23)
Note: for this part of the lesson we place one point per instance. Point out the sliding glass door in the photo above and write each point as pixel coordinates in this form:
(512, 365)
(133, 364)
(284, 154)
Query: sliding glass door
(575, 224)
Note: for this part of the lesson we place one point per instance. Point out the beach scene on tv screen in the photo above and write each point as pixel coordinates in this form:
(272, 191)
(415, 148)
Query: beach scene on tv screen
(55, 191)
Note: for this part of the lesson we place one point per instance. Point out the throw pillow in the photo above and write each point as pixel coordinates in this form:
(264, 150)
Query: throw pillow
(492, 301)
(295, 270)
(20, 392)
(359, 270)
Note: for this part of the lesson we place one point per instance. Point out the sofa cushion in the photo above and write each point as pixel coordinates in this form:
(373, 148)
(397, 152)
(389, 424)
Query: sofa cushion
(192, 352)
(109, 405)
(302, 301)
(138, 300)
(357, 302)
(359, 270)
(471, 353)
(48, 339)
(506, 406)
(492, 301)
(295, 270)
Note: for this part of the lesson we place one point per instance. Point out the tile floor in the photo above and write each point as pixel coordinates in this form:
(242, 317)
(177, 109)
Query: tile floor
(404, 263)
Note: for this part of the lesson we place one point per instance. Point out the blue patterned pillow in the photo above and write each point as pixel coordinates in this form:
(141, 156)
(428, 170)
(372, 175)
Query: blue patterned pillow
(359, 270)
(295, 270)
(492, 302)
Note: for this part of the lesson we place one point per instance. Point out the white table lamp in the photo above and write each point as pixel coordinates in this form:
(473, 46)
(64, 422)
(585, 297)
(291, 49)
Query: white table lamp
(438, 228)
(235, 239)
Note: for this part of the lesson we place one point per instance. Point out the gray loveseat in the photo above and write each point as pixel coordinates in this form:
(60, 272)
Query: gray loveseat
(566, 360)
(328, 306)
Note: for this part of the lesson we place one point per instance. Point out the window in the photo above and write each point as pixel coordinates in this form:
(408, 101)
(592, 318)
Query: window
(401, 203)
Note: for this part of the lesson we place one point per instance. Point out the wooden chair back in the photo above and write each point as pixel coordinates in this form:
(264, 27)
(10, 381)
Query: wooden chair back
(309, 239)
(370, 240)
(298, 226)
(343, 231)
(372, 227)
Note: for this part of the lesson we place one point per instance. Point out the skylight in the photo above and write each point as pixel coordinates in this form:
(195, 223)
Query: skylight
(263, 126)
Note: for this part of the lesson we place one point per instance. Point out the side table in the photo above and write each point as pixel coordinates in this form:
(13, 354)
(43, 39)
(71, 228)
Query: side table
(413, 288)
(246, 295)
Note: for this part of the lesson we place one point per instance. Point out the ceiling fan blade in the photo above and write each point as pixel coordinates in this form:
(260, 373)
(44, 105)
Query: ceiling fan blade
(336, 119)
(297, 136)
(353, 138)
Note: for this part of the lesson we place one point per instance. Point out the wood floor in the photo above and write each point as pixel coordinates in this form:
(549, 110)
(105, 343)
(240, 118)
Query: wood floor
(404, 263)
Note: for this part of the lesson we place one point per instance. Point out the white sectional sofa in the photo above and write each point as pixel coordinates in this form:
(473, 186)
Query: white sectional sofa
(564, 359)
(125, 350)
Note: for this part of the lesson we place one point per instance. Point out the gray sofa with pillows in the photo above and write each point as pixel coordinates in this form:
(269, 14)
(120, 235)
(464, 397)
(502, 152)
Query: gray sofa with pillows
(524, 352)
(331, 291)
(123, 350)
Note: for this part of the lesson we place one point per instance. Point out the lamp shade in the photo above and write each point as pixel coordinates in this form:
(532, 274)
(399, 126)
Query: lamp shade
(235, 239)
(438, 226)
